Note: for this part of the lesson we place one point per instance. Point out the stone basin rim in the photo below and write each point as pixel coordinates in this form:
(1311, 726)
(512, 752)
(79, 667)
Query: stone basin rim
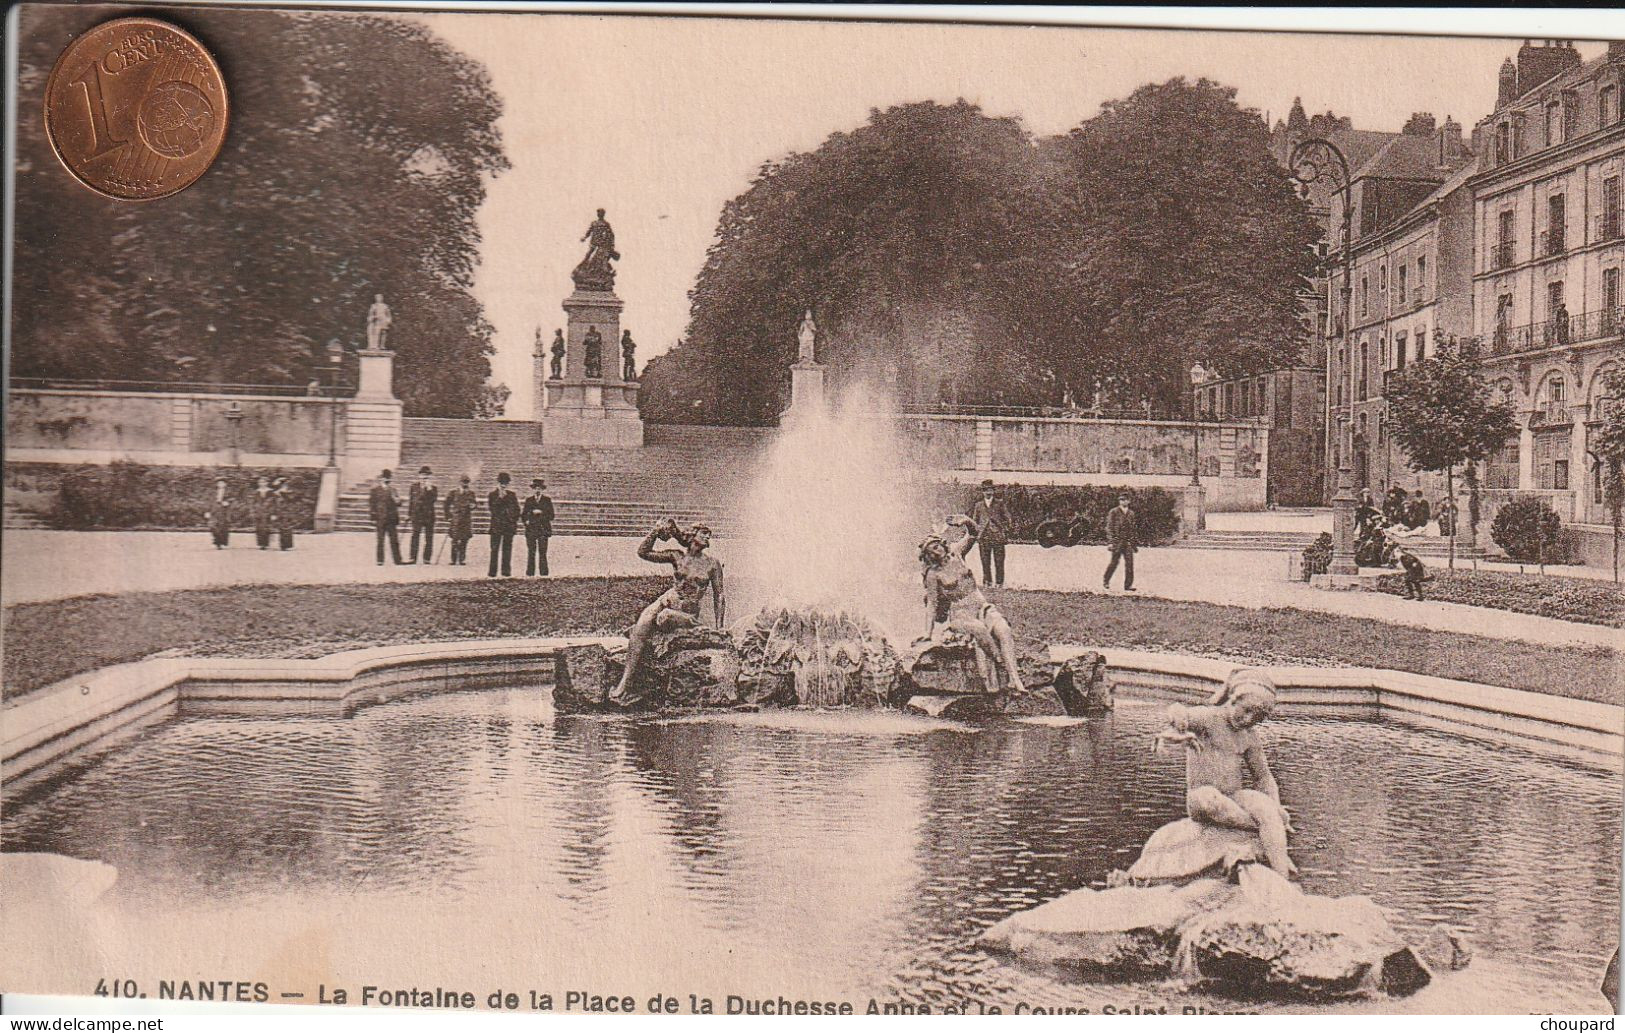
(79, 711)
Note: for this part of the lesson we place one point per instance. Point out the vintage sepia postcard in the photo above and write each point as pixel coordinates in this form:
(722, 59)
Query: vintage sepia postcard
(602, 513)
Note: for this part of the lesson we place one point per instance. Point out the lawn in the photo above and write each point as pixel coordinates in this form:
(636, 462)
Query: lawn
(49, 641)
(1565, 598)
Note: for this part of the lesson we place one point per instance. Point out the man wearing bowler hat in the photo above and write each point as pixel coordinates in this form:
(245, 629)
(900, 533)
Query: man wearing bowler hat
(992, 516)
(504, 507)
(420, 506)
(537, 518)
(460, 520)
(385, 507)
(1122, 535)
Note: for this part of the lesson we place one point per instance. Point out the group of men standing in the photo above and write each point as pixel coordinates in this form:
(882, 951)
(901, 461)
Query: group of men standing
(270, 506)
(507, 514)
(994, 528)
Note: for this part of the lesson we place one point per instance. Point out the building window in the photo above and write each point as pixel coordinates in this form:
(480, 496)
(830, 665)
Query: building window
(1503, 322)
(1422, 278)
(1501, 255)
(1421, 345)
(1503, 144)
(1555, 224)
(1608, 221)
(1607, 106)
(1555, 390)
(1611, 316)
(1401, 285)
(1229, 400)
(1365, 299)
(1382, 288)
(1554, 116)
(1399, 351)
(1560, 474)
(1283, 400)
(1365, 364)
(1246, 397)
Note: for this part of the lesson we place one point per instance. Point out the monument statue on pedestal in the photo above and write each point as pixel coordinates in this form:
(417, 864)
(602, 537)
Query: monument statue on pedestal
(595, 273)
(807, 337)
(379, 320)
(629, 349)
(593, 353)
(557, 370)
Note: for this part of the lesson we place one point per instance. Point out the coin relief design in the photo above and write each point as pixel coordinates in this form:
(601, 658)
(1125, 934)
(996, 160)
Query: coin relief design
(136, 109)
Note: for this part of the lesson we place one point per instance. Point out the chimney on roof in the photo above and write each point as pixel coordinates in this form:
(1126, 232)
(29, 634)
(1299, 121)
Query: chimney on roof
(1451, 148)
(1537, 64)
(1422, 123)
(1508, 90)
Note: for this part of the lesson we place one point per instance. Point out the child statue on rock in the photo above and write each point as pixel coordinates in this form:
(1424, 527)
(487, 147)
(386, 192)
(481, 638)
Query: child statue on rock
(679, 606)
(955, 602)
(1222, 754)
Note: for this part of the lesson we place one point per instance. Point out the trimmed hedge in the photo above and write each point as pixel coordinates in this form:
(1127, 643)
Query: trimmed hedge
(134, 496)
(1529, 530)
(1032, 504)
(1564, 598)
(1317, 557)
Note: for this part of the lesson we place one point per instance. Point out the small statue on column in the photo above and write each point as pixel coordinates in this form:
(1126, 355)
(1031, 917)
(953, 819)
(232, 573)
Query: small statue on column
(593, 352)
(629, 364)
(806, 337)
(557, 371)
(379, 320)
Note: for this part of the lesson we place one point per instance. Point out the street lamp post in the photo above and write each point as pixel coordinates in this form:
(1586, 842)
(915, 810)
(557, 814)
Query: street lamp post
(234, 419)
(1198, 378)
(1311, 160)
(335, 365)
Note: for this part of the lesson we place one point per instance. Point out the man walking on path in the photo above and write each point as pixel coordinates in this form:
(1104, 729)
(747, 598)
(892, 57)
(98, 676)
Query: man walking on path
(992, 516)
(1122, 534)
(537, 516)
(385, 506)
(420, 506)
(504, 506)
(460, 520)
(282, 513)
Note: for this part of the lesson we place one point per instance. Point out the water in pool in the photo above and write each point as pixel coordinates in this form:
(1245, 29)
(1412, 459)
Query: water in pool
(475, 840)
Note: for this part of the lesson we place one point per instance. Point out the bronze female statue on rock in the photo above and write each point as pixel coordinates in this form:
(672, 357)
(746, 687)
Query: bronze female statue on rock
(679, 606)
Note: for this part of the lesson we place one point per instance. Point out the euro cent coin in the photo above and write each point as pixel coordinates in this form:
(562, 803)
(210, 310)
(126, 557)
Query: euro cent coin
(136, 109)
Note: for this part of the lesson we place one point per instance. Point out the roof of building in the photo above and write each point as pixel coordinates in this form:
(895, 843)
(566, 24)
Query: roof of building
(1404, 157)
(1528, 95)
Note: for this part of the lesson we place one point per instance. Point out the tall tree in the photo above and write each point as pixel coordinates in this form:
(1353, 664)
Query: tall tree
(1440, 413)
(1608, 449)
(1181, 240)
(356, 159)
(905, 238)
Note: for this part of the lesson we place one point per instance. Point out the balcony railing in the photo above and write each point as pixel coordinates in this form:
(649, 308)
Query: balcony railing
(181, 387)
(1550, 414)
(1502, 255)
(1609, 226)
(1555, 333)
(1551, 242)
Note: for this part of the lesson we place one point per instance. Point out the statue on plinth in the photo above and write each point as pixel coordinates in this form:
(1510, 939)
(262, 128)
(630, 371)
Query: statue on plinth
(806, 337)
(595, 273)
(557, 370)
(593, 352)
(629, 362)
(379, 320)
(958, 609)
(694, 574)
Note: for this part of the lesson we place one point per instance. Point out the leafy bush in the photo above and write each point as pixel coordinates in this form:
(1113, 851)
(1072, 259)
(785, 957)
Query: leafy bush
(1564, 598)
(127, 496)
(1317, 558)
(1032, 504)
(1527, 529)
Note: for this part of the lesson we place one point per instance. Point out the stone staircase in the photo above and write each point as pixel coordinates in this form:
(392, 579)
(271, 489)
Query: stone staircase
(689, 473)
(1297, 541)
(21, 519)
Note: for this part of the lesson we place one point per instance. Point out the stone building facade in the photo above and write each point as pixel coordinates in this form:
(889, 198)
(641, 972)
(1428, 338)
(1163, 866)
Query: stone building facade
(1547, 302)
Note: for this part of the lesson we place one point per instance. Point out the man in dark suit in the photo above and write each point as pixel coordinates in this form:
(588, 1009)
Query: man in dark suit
(420, 506)
(385, 506)
(1122, 535)
(504, 506)
(460, 520)
(537, 516)
(992, 516)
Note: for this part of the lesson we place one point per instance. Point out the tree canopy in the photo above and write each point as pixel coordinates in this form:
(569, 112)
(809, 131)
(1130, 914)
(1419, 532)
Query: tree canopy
(1440, 413)
(356, 158)
(951, 254)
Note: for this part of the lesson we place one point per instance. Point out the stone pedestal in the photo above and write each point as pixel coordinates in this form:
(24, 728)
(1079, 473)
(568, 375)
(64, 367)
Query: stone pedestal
(599, 411)
(806, 391)
(372, 420)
